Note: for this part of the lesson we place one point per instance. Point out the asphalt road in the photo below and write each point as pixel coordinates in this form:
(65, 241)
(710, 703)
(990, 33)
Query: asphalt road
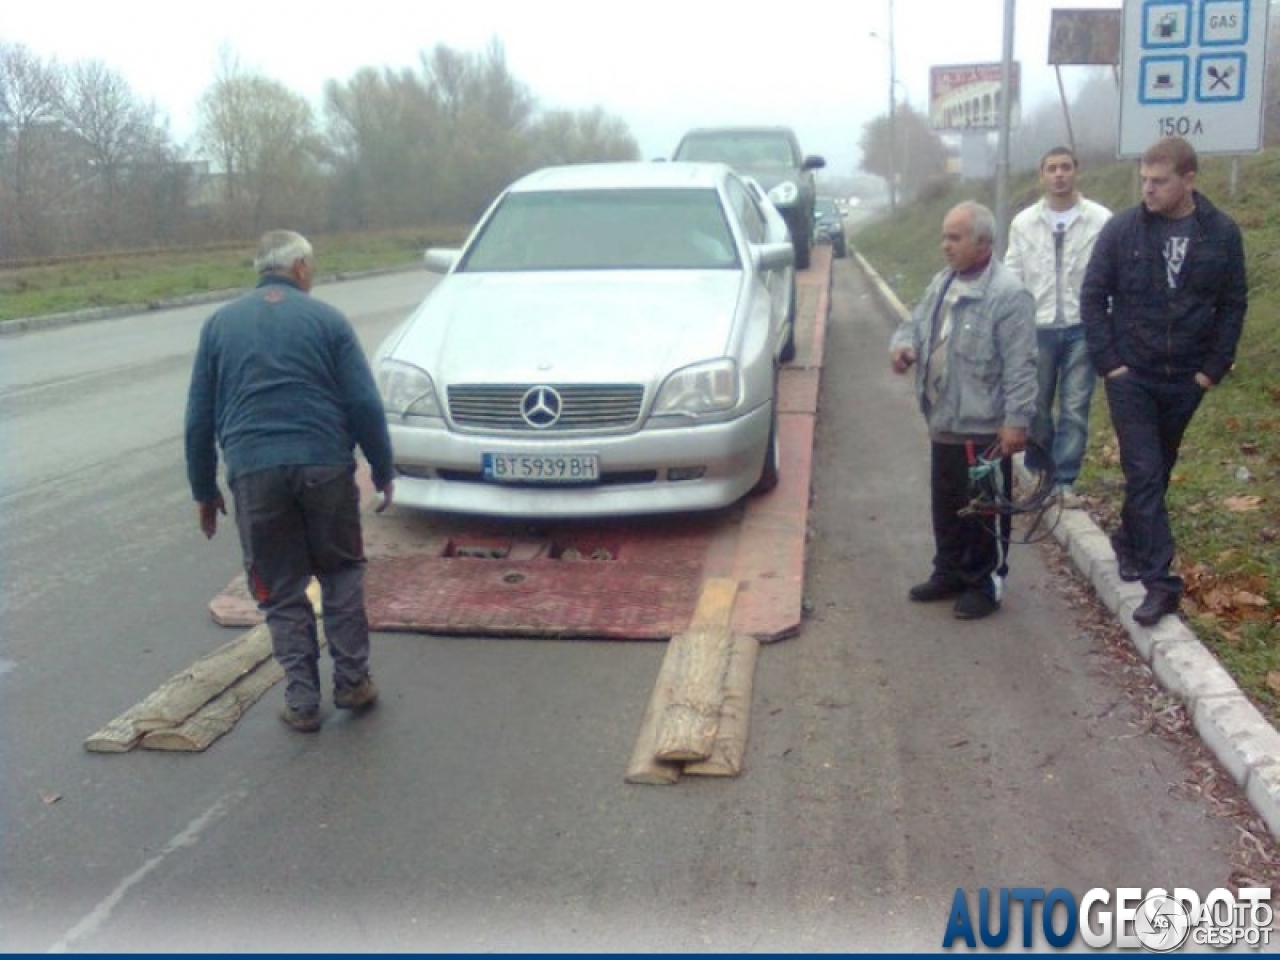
(895, 754)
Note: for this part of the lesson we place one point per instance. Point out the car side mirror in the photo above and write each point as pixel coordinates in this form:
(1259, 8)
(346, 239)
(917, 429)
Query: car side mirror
(773, 256)
(813, 163)
(441, 259)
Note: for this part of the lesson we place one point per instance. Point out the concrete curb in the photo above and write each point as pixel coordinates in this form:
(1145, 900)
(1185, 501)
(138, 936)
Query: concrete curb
(1233, 729)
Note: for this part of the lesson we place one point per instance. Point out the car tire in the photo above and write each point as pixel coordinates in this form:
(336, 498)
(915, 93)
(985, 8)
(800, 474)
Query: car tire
(770, 470)
(788, 352)
(802, 243)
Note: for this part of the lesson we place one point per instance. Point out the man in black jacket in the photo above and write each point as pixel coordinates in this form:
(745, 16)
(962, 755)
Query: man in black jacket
(1163, 306)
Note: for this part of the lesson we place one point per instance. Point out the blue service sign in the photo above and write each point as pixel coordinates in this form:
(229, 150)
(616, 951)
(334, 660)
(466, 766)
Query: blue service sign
(1194, 69)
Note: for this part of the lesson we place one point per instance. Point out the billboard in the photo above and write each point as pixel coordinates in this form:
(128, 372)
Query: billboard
(1084, 38)
(968, 96)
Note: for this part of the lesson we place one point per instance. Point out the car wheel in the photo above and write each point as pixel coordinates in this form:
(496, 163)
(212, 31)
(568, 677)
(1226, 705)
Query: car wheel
(769, 471)
(802, 244)
(789, 346)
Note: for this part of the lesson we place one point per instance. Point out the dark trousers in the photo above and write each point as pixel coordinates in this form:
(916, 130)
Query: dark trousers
(971, 549)
(297, 522)
(1150, 416)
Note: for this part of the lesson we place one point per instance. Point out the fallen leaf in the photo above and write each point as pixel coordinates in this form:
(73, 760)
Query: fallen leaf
(1244, 598)
(1243, 504)
(49, 798)
(1273, 681)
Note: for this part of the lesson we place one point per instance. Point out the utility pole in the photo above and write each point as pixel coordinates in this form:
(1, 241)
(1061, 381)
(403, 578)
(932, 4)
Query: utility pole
(1002, 148)
(893, 119)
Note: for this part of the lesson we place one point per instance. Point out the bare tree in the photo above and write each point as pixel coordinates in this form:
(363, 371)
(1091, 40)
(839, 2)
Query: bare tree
(484, 114)
(906, 149)
(30, 91)
(384, 137)
(587, 136)
(120, 138)
(262, 141)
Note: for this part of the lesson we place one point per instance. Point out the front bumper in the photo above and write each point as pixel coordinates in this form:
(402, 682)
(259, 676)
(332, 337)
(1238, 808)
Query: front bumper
(439, 469)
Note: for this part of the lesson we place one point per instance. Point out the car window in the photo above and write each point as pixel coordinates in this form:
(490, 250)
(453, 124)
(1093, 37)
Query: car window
(749, 212)
(646, 229)
(739, 149)
(826, 207)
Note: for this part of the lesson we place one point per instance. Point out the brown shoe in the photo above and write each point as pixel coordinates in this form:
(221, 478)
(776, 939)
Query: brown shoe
(308, 722)
(360, 697)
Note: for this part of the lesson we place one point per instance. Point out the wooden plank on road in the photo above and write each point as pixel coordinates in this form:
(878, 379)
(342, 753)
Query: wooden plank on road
(682, 687)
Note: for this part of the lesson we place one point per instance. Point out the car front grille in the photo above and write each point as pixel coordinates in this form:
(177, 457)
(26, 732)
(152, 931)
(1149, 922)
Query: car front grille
(593, 406)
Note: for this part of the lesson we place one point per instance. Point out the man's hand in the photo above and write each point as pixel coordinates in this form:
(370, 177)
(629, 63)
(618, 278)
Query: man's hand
(209, 515)
(1012, 440)
(902, 358)
(1203, 381)
(388, 494)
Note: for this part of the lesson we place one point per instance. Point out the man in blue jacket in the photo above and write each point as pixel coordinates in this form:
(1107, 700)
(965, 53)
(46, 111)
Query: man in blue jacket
(1163, 306)
(282, 385)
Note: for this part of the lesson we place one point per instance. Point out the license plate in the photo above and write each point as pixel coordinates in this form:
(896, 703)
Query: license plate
(541, 468)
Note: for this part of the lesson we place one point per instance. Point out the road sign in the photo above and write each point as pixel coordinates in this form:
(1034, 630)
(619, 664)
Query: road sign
(1194, 69)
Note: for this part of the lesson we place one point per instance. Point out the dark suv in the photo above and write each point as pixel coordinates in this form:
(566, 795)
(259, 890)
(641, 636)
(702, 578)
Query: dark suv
(771, 155)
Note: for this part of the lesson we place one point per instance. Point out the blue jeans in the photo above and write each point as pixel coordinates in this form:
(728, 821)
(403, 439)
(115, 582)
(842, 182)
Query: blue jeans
(1150, 416)
(1065, 374)
(296, 522)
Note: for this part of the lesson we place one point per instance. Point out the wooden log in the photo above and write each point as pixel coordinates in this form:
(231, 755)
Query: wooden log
(715, 606)
(699, 658)
(182, 695)
(735, 713)
(688, 725)
(644, 767)
(217, 716)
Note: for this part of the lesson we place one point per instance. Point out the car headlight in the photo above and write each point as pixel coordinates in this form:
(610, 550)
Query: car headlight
(406, 390)
(698, 390)
(785, 193)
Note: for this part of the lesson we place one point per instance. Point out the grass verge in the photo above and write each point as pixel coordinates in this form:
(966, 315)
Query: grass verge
(144, 279)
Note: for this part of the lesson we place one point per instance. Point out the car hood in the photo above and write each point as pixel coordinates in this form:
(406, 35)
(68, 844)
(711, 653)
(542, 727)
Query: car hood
(571, 327)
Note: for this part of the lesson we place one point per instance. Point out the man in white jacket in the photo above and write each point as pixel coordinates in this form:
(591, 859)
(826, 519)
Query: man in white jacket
(1049, 247)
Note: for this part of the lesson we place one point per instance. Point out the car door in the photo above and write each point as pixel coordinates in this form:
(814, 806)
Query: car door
(764, 224)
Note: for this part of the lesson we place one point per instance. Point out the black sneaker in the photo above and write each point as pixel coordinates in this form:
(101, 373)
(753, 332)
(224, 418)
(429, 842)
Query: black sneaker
(974, 605)
(302, 721)
(1157, 605)
(934, 589)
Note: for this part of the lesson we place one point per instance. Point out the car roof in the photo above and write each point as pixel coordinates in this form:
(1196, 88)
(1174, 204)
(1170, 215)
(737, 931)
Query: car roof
(628, 175)
(757, 128)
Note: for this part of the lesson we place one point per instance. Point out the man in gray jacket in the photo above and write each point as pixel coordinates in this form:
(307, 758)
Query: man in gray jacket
(972, 339)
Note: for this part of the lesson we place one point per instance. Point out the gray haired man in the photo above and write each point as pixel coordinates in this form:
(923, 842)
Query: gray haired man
(281, 384)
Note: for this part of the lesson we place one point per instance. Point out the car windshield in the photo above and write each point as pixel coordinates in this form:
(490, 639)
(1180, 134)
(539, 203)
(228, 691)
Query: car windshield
(826, 207)
(636, 229)
(744, 149)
